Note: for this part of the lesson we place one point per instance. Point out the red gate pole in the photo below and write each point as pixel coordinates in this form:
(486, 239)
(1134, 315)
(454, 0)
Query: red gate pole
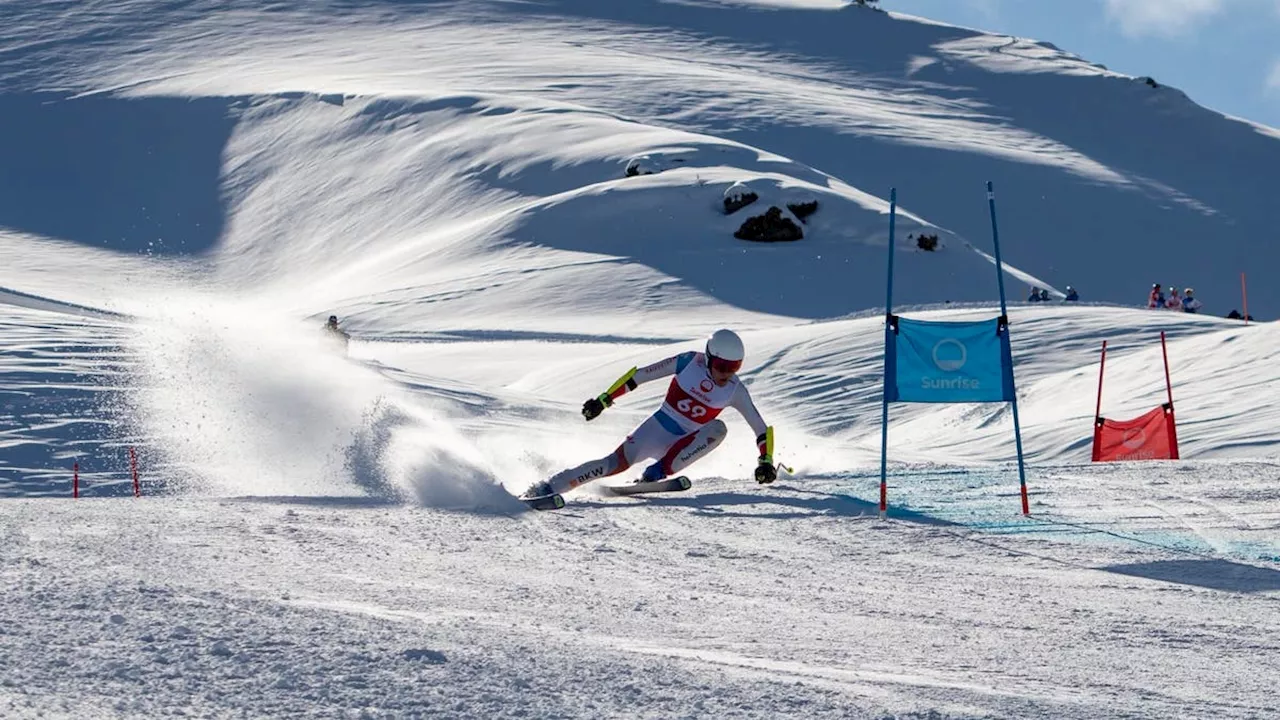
(1168, 384)
(133, 467)
(1244, 296)
(1097, 411)
(1102, 367)
(75, 480)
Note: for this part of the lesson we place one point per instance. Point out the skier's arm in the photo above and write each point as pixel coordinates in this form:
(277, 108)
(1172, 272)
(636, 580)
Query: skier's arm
(639, 376)
(765, 471)
(741, 402)
(634, 378)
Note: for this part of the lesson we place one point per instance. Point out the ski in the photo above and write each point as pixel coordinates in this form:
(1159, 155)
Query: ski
(675, 484)
(544, 502)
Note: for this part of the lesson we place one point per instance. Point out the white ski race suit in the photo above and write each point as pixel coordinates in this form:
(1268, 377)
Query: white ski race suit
(682, 431)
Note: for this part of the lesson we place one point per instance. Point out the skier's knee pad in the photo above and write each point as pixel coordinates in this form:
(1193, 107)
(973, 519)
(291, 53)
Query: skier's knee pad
(702, 443)
(716, 429)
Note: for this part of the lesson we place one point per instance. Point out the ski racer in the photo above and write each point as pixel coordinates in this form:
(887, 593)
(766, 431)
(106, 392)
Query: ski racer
(685, 429)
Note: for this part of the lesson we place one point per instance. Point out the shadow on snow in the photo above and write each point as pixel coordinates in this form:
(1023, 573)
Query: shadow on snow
(1208, 573)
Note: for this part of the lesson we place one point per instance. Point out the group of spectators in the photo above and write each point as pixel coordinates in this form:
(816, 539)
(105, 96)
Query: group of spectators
(1183, 301)
(1042, 295)
(1186, 302)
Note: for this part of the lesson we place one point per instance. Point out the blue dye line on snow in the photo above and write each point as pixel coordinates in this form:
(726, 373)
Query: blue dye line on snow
(983, 503)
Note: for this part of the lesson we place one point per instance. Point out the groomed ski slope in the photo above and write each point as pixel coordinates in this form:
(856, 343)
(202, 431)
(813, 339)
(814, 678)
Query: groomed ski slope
(411, 585)
(725, 601)
(191, 189)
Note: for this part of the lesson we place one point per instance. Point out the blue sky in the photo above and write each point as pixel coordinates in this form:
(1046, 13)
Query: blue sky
(1225, 54)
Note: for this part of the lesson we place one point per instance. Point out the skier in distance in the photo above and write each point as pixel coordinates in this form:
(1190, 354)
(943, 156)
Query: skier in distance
(337, 334)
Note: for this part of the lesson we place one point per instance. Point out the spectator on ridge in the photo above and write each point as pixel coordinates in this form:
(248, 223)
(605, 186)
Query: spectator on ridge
(1174, 302)
(1156, 299)
(1035, 294)
(1189, 302)
(1044, 295)
(1072, 295)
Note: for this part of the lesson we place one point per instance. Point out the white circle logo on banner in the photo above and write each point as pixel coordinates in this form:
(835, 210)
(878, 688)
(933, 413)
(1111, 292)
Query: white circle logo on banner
(950, 364)
(1134, 438)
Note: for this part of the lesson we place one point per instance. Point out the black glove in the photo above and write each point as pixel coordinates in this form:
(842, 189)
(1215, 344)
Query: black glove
(766, 472)
(592, 408)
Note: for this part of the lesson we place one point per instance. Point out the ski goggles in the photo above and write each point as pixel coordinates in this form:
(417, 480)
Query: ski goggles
(727, 367)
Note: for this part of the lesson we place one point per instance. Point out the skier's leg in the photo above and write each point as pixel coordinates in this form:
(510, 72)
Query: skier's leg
(688, 450)
(650, 439)
(566, 480)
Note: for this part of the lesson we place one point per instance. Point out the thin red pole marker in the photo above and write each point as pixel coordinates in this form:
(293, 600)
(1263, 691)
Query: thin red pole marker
(1168, 384)
(133, 467)
(1097, 411)
(75, 480)
(1244, 295)
(1102, 368)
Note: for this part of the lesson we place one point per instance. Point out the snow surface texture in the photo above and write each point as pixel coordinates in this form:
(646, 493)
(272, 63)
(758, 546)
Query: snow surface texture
(188, 189)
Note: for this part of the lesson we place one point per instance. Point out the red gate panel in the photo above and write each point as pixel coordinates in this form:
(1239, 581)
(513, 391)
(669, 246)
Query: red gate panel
(1152, 436)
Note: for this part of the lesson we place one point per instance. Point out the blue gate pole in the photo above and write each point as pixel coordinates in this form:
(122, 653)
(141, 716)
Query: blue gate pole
(884, 408)
(1017, 428)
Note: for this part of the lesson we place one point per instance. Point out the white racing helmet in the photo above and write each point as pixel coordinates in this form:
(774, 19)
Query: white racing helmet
(725, 351)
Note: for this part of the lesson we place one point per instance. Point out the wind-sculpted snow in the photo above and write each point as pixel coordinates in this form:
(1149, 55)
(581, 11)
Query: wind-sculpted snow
(1095, 168)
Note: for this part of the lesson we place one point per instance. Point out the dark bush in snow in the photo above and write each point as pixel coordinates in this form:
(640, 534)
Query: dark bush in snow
(927, 242)
(803, 210)
(737, 197)
(649, 165)
(640, 166)
(769, 227)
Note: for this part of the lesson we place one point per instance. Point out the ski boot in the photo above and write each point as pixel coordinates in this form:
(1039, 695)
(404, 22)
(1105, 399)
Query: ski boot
(541, 496)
